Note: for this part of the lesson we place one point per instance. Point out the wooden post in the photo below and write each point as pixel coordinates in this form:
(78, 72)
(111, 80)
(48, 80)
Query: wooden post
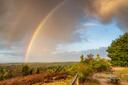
(77, 81)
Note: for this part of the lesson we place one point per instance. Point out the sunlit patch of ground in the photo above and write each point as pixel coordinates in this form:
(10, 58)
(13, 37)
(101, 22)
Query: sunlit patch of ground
(57, 82)
(92, 82)
(121, 73)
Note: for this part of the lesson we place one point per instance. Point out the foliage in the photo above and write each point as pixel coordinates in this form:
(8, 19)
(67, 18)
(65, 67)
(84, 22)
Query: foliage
(38, 70)
(82, 58)
(15, 70)
(5, 73)
(26, 70)
(98, 64)
(89, 57)
(54, 69)
(118, 51)
(85, 72)
(90, 65)
(101, 64)
(71, 69)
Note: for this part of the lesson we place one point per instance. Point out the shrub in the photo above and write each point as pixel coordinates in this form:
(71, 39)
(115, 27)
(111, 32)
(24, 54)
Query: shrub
(85, 72)
(38, 70)
(101, 65)
(98, 64)
(5, 74)
(72, 69)
(25, 70)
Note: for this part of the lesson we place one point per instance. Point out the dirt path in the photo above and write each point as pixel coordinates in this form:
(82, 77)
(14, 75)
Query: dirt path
(124, 83)
(103, 81)
(101, 78)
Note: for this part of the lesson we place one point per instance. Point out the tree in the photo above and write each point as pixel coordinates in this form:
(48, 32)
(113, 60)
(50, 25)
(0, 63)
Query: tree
(89, 58)
(25, 70)
(82, 58)
(31, 71)
(98, 57)
(38, 70)
(118, 51)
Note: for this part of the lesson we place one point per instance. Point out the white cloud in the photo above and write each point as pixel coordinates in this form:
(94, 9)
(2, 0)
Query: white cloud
(89, 24)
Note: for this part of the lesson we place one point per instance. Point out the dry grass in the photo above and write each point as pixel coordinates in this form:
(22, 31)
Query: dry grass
(57, 82)
(122, 73)
(119, 68)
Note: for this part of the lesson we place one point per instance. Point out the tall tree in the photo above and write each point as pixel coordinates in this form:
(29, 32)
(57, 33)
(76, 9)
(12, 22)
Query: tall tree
(118, 51)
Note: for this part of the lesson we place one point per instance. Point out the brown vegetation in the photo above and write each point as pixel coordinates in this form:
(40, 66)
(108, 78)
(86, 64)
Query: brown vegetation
(35, 78)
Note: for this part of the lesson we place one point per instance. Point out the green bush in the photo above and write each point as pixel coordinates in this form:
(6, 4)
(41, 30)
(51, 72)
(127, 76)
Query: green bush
(85, 72)
(98, 64)
(25, 70)
(101, 65)
(71, 69)
(5, 74)
(87, 67)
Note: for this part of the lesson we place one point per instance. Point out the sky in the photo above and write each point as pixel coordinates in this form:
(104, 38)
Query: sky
(58, 30)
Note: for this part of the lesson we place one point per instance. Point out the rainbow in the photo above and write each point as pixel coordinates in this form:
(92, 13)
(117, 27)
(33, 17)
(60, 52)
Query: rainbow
(41, 25)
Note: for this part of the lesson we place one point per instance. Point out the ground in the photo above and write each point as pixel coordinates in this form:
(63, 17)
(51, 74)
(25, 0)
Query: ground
(57, 82)
(63, 79)
(102, 78)
(121, 73)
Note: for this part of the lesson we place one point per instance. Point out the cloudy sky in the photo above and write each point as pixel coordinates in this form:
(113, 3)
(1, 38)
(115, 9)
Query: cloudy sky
(58, 30)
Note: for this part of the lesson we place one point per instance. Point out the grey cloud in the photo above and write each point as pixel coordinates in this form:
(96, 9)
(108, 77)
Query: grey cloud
(19, 19)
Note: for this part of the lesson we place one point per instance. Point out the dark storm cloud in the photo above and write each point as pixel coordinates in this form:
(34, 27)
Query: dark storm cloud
(18, 21)
(19, 18)
(123, 19)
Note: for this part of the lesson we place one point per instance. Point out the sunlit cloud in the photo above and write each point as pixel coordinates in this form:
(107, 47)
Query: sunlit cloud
(89, 24)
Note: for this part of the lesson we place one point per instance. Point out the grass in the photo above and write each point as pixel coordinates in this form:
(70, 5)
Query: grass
(122, 74)
(125, 79)
(121, 71)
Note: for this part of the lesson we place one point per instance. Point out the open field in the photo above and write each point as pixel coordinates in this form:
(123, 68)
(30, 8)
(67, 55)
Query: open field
(15, 69)
(41, 72)
(51, 75)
